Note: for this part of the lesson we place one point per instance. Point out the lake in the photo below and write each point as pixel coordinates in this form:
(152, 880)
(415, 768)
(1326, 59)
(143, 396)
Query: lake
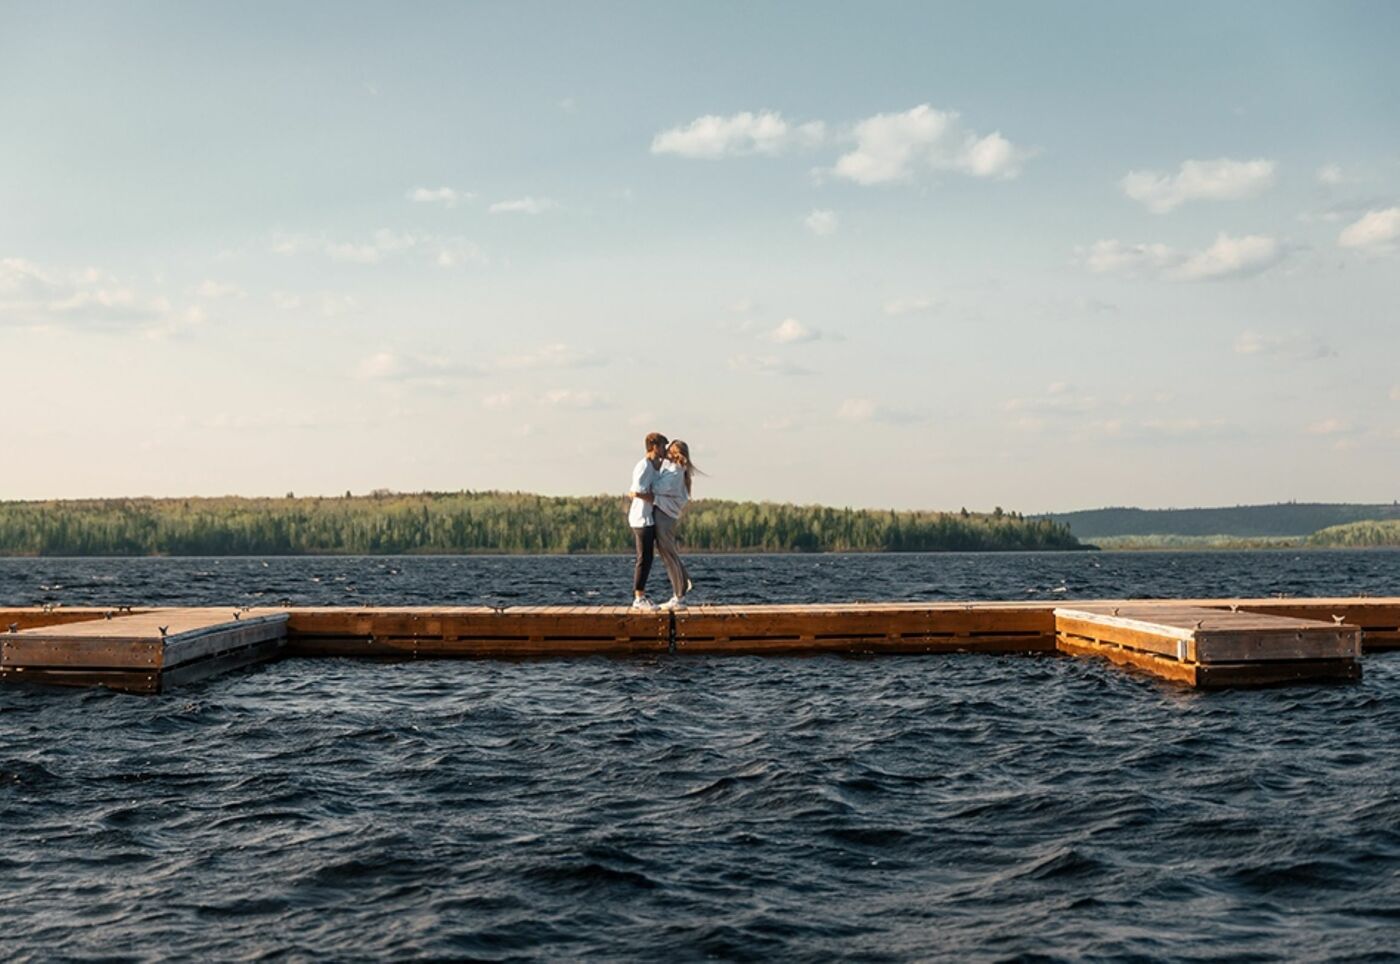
(896, 808)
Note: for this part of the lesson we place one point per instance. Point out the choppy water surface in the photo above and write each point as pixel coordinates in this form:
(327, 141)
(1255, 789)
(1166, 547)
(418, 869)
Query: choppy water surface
(892, 808)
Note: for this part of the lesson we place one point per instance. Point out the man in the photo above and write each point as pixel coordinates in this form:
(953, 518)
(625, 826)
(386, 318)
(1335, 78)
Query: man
(640, 517)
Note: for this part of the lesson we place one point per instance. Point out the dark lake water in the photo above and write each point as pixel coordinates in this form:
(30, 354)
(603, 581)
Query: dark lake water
(687, 807)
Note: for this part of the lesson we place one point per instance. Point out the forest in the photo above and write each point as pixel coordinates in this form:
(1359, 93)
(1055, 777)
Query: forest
(1358, 535)
(486, 522)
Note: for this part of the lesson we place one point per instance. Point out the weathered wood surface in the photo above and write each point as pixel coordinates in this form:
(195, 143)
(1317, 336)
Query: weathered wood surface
(1200, 635)
(475, 631)
(1206, 647)
(865, 628)
(31, 617)
(140, 651)
(1218, 675)
(72, 644)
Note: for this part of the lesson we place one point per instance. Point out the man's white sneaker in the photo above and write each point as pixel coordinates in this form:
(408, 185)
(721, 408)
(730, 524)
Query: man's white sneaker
(674, 603)
(644, 604)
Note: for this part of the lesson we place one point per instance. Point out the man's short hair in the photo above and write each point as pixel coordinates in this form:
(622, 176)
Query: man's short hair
(657, 441)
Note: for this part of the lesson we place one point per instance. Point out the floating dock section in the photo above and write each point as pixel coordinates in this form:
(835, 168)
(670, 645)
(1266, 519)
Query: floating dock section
(1199, 642)
(1212, 648)
(146, 652)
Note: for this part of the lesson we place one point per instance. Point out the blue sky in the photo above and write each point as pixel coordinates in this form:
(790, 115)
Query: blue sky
(1042, 256)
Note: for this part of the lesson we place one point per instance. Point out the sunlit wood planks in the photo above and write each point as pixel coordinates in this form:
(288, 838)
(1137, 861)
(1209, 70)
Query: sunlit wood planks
(1212, 647)
(475, 631)
(142, 652)
(866, 628)
(94, 645)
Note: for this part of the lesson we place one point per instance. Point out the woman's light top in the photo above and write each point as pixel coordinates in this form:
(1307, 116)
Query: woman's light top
(669, 489)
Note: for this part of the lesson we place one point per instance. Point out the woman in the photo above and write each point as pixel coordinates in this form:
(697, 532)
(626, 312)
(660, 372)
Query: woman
(671, 491)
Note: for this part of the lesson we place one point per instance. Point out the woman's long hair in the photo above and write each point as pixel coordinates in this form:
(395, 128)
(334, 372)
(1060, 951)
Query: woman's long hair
(684, 462)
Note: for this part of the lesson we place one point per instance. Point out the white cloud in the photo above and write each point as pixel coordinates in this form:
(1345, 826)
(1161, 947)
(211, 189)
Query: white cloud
(578, 400)
(1115, 257)
(455, 252)
(713, 136)
(822, 222)
(1232, 258)
(438, 249)
(894, 147)
(1395, 392)
(524, 205)
(1227, 257)
(498, 402)
(1329, 426)
(791, 330)
(1331, 174)
(371, 251)
(389, 366)
(1183, 427)
(1218, 180)
(554, 355)
(446, 196)
(765, 365)
(219, 291)
(868, 410)
(326, 303)
(1160, 429)
(1060, 399)
(909, 306)
(857, 410)
(36, 296)
(1295, 345)
(1374, 231)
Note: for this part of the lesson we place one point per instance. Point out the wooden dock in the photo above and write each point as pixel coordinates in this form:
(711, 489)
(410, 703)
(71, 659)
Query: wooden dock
(1198, 642)
(146, 652)
(1212, 648)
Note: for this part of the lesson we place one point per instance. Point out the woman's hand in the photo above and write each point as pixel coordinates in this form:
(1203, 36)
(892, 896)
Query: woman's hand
(644, 496)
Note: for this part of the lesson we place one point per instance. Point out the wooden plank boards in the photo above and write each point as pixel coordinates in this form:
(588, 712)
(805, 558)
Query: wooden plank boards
(1203, 646)
(31, 617)
(1200, 642)
(142, 651)
(866, 628)
(477, 632)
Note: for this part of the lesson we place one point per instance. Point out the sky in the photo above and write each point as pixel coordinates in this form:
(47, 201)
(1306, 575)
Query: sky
(912, 255)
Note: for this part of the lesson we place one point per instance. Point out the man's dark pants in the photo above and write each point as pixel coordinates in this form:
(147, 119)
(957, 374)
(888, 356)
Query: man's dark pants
(645, 538)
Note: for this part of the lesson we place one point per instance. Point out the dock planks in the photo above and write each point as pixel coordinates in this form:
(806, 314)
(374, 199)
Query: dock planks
(1212, 647)
(85, 646)
(142, 652)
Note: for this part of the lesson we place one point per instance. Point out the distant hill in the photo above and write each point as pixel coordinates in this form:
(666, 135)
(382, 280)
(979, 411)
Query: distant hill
(1250, 521)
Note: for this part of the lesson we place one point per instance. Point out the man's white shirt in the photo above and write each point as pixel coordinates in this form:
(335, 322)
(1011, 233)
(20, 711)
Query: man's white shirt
(643, 478)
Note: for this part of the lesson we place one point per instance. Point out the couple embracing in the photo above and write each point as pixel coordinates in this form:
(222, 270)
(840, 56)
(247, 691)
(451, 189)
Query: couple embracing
(660, 491)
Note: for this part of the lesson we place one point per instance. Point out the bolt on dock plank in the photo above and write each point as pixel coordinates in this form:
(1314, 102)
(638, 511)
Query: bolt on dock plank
(144, 652)
(1208, 647)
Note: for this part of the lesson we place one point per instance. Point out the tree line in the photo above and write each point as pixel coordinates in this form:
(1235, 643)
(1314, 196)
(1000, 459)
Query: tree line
(495, 522)
(1373, 533)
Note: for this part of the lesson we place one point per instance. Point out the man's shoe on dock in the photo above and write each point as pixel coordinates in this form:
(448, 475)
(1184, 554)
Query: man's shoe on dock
(674, 603)
(644, 604)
